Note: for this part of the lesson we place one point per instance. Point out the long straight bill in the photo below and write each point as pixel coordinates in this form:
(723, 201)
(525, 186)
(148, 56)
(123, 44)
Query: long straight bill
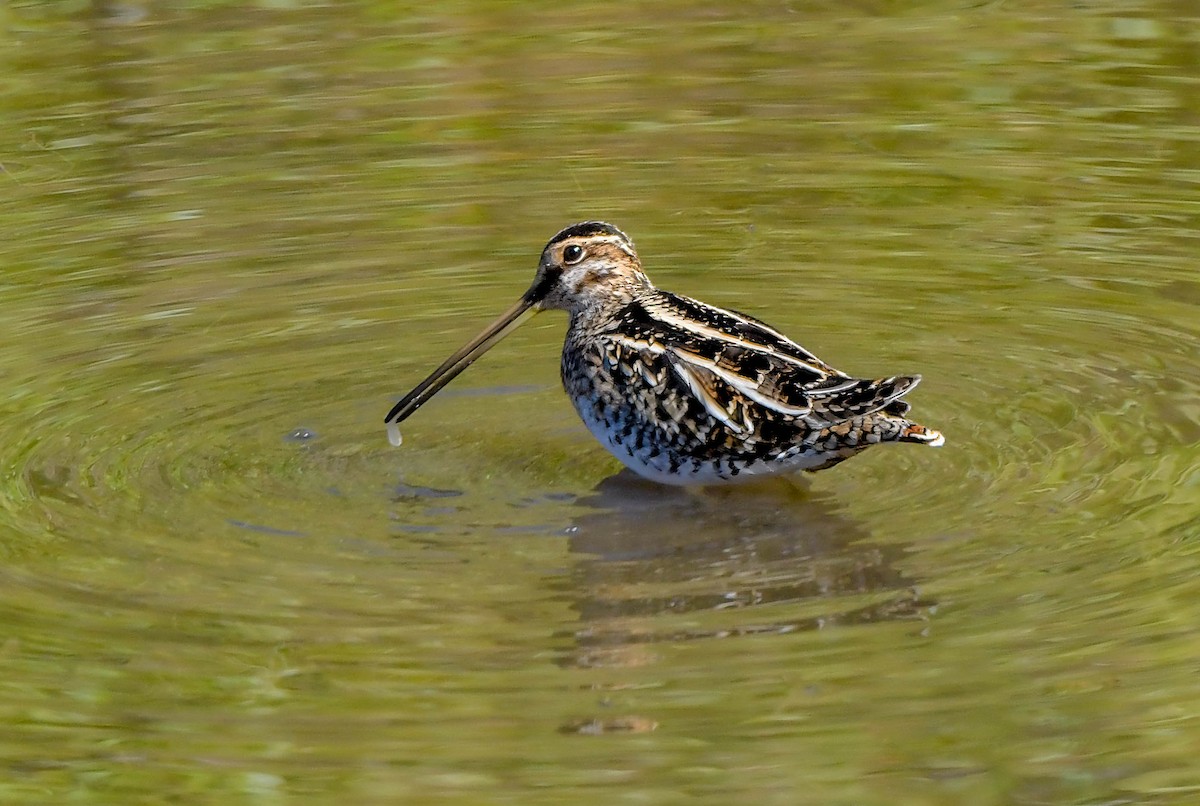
(462, 358)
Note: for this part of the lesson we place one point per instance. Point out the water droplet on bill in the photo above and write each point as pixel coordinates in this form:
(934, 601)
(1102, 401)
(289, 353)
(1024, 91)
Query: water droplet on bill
(393, 431)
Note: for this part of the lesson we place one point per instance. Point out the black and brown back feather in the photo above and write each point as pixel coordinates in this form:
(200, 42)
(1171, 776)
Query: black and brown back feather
(737, 386)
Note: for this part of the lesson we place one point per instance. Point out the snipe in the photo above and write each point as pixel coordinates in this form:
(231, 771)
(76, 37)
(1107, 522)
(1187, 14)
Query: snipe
(680, 391)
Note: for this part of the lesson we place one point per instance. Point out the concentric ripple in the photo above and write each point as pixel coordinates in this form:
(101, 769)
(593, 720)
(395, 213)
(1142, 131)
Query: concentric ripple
(1078, 410)
(210, 499)
(1079, 415)
(159, 474)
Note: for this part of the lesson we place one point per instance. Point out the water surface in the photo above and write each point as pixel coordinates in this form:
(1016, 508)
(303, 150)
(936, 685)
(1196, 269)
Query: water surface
(235, 234)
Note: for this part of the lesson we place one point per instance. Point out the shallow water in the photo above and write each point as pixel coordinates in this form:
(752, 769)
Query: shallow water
(235, 235)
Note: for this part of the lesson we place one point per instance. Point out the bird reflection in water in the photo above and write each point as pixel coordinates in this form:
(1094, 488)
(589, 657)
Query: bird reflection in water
(776, 552)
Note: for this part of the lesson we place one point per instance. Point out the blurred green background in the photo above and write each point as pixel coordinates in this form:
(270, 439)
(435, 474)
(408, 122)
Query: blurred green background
(234, 234)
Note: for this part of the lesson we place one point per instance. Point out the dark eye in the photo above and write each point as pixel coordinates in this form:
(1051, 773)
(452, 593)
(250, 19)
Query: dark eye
(572, 254)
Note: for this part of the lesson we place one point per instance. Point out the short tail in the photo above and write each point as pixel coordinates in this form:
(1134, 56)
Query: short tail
(919, 433)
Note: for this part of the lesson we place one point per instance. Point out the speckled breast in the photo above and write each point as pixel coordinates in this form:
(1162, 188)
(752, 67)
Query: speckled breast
(639, 410)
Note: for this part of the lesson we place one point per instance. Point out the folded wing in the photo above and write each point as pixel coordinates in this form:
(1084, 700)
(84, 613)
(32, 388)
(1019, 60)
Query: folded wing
(742, 371)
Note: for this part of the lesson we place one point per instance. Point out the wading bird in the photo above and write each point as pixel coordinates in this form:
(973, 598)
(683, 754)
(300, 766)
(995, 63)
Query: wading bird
(680, 391)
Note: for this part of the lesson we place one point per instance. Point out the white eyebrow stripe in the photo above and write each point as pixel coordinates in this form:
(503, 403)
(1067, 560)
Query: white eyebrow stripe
(620, 243)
